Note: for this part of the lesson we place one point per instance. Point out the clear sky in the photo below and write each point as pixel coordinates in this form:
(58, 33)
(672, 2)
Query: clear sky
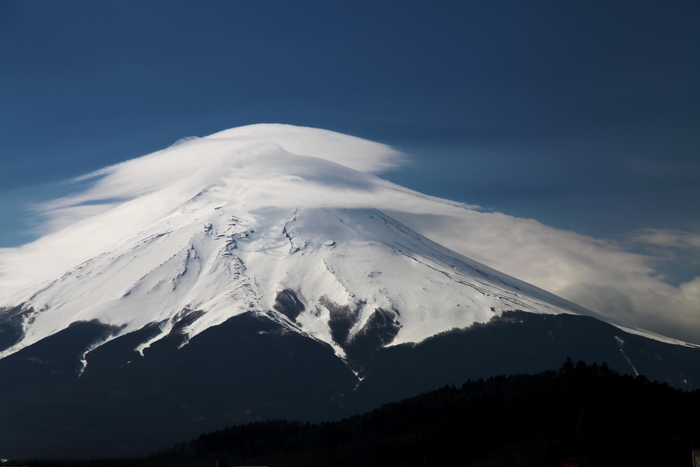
(582, 115)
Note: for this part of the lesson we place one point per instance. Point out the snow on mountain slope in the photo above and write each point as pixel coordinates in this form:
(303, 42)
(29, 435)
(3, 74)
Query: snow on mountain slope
(266, 217)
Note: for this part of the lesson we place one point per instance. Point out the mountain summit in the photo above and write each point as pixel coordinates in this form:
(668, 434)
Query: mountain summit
(258, 273)
(275, 219)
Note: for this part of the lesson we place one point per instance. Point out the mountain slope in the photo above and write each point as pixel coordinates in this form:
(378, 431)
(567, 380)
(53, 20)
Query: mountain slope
(251, 225)
(254, 368)
(226, 279)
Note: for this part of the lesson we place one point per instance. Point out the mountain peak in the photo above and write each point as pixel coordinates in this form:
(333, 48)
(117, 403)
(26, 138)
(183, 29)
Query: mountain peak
(267, 262)
(257, 218)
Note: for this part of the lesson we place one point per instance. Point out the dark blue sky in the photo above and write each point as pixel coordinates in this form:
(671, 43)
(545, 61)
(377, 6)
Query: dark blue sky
(582, 115)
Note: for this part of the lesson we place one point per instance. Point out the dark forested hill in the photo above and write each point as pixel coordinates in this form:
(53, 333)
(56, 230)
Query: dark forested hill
(584, 413)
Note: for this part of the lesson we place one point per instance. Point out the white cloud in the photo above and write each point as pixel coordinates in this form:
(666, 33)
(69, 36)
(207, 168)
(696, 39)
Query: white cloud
(350, 151)
(667, 238)
(600, 275)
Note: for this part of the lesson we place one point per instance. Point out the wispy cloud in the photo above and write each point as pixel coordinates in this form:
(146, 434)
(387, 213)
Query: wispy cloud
(667, 239)
(602, 275)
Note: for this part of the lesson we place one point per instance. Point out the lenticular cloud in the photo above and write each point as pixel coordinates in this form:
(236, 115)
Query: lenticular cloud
(258, 168)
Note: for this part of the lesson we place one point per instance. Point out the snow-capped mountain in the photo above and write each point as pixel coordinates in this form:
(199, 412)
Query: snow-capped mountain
(236, 222)
(255, 273)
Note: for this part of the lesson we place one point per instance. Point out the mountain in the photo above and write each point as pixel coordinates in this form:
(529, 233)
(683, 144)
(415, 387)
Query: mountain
(255, 274)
